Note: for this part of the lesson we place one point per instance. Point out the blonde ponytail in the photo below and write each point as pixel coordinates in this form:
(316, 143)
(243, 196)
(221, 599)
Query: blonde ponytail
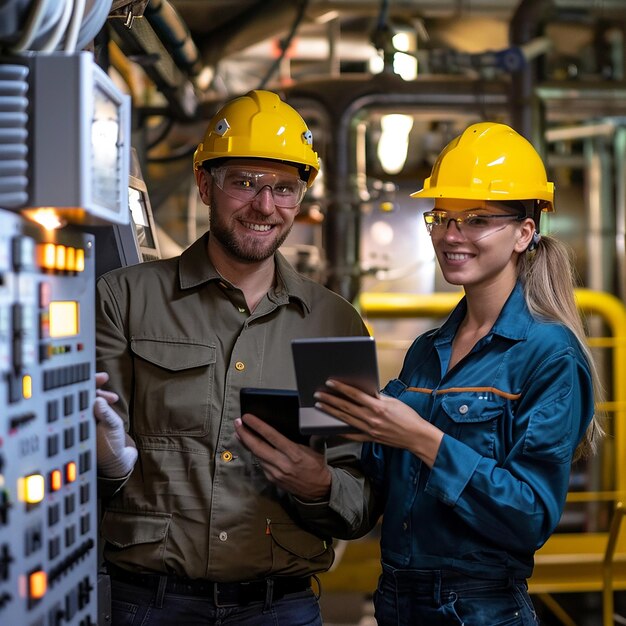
(547, 275)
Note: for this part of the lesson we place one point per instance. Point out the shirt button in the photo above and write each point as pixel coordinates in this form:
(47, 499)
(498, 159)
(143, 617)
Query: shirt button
(223, 536)
(227, 456)
(405, 525)
(240, 366)
(463, 409)
(241, 309)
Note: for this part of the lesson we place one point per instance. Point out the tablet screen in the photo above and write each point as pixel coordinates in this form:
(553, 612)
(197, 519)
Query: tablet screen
(348, 359)
(278, 407)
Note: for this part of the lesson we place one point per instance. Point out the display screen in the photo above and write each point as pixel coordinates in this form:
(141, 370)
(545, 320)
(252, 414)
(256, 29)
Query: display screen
(139, 214)
(63, 316)
(105, 147)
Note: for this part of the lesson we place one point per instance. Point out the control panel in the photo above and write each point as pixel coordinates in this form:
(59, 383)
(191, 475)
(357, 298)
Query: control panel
(48, 511)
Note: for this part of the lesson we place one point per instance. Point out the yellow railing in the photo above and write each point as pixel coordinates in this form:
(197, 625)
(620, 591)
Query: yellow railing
(568, 562)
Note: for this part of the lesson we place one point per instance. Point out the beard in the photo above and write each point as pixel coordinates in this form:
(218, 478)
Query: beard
(244, 249)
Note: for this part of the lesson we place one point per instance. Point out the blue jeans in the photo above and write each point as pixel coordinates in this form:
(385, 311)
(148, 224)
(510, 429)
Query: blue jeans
(138, 606)
(437, 597)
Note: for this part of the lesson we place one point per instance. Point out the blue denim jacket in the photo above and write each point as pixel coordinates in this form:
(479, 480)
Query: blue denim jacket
(512, 412)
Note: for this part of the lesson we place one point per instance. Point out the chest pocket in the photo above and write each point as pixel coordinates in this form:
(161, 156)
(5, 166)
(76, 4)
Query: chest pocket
(474, 419)
(173, 387)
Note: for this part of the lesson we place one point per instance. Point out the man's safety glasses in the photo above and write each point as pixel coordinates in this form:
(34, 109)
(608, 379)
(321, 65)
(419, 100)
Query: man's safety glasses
(243, 183)
(472, 225)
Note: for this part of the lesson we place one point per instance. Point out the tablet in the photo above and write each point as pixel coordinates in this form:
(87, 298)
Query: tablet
(348, 359)
(277, 407)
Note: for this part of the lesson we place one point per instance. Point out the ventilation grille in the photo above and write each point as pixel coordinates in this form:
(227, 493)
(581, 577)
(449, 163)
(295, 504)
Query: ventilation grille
(13, 135)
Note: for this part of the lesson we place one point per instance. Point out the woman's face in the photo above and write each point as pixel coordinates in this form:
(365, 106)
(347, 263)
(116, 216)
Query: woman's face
(478, 242)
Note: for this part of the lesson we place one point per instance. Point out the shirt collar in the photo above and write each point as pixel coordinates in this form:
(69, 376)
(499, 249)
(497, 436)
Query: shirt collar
(195, 268)
(512, 323)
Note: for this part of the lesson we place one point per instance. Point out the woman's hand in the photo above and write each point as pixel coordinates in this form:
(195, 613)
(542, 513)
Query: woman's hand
(381, 419)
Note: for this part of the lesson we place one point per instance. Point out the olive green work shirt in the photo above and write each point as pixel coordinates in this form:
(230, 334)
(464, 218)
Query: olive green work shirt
(178, 343)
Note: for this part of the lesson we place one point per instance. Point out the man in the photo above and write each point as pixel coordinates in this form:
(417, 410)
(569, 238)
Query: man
(198, 529)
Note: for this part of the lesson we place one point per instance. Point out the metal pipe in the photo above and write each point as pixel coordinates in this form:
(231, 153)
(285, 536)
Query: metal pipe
(528, 23)
(174, 34)
(342, 100)
(343, 225)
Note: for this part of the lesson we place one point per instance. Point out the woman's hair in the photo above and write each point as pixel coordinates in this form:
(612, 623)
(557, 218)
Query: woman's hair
(548, 277)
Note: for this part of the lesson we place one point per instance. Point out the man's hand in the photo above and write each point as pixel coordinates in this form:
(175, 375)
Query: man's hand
(116, 451)
(300, 470)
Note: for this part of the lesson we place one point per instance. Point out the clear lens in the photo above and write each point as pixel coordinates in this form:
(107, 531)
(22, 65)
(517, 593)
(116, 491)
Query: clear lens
(244, 184)
(472, 225)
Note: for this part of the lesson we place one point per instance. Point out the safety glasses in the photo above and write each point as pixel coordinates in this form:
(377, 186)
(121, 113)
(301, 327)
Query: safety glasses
(473, 225)
(244, 183)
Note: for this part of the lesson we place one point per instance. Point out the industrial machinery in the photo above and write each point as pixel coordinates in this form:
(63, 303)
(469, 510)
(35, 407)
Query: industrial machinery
(64, 156)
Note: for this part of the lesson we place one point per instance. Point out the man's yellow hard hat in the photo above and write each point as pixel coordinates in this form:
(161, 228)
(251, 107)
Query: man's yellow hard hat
(259, 125)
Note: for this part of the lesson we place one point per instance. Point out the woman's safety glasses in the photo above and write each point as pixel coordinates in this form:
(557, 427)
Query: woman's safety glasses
(244, 183)
(473, 225)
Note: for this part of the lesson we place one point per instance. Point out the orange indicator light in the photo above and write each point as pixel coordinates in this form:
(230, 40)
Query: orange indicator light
(70, 472)
(59, 262)
(80, 260)
(37, 584)
(56, 480)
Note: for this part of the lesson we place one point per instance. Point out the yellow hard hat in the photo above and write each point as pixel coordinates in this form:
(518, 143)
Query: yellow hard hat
(489, 161)
(259, 125)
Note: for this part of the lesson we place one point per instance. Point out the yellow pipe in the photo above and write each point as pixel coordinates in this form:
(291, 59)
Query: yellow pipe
(612, 310)
(386, 305)
(607, 566)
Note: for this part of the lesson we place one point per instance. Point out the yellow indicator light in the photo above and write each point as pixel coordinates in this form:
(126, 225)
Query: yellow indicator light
(80, 259)
(27, 387)
(63, 318)
(31, 488)
(59, 262)
(70, 259)
(37, 585)
(56, 480)
(47, 255)
(70, 472)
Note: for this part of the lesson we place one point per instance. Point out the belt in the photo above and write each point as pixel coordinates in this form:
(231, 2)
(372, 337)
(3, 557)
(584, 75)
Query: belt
(222, 594)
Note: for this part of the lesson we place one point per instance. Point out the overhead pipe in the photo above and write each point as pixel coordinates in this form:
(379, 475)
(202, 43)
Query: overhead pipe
(256, 23)
(528, 23)
(342, 100)
(173, 32)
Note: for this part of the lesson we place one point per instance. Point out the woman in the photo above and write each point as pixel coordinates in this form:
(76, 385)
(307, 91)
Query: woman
(471, 447)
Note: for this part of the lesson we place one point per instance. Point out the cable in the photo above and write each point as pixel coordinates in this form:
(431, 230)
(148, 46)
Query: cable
(59, 29)
(381, 23)
(32, 26)
(93, 22)
(286, 42)
(74, 27)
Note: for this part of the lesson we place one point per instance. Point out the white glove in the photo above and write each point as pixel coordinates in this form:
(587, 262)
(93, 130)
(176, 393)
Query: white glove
(116, 451)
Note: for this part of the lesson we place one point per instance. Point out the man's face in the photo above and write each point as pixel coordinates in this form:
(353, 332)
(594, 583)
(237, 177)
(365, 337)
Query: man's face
(244, 217)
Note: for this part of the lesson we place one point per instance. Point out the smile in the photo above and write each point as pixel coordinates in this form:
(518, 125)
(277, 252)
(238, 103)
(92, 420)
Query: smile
(262, 228)
(457, 256)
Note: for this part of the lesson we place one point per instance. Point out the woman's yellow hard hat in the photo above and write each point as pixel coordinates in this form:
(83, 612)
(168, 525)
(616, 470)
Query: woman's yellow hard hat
(489, 161)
